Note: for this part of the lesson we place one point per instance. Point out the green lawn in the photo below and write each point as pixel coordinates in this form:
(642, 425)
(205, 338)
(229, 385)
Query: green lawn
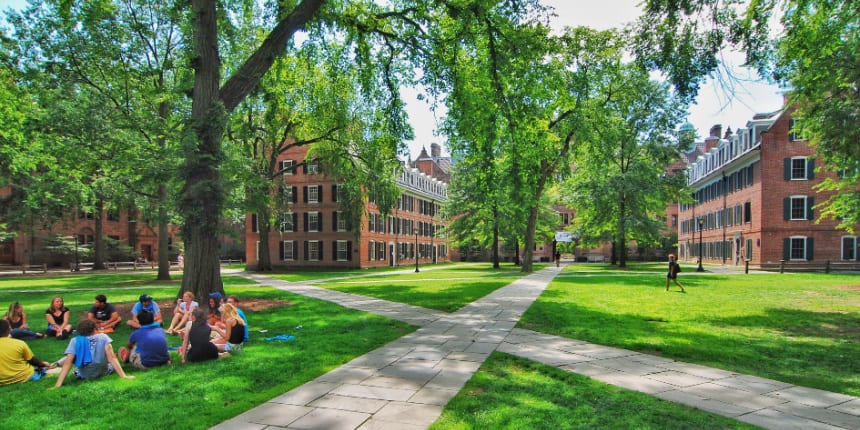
(513, 393)
(445, 289)
(796, 328)
(190, 396)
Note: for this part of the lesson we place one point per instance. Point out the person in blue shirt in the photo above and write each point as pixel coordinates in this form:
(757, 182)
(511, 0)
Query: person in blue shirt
(233, 300)
(147, 346)
(147, 303)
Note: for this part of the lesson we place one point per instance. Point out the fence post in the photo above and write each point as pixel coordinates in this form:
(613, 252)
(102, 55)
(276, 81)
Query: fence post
(781, 266)
(746, 267)
(827, 267)
(44, 267)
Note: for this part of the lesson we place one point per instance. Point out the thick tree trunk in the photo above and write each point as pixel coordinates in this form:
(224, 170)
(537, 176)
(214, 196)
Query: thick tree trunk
(264, 262)
(529, 246)
(99, 257)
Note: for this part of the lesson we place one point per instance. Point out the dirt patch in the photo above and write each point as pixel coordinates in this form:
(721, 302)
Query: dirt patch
(247, 305)
(849, 287)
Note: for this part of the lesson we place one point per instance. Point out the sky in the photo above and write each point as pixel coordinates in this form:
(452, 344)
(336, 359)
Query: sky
(713, 105)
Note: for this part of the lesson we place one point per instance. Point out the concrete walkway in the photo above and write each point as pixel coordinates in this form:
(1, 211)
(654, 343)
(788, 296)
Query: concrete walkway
(407, 383)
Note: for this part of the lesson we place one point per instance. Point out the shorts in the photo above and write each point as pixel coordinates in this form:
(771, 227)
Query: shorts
(234, 348)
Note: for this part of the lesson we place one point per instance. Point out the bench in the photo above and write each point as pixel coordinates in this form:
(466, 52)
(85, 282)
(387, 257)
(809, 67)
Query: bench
(828, 266)
(25, 268)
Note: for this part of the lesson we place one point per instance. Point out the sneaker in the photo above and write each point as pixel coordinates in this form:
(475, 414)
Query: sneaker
(123, 354)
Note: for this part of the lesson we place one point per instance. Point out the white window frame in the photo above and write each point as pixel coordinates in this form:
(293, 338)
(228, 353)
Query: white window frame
(791, 208)
(286, 223)
(313, 193)
(371, 248)
(314, 250)
(313, 221)
(289, 250)
(313, 166)
(342, 250)
(341, 221)
(791, 248)
(287, 167)
(853, 249)
(805, 166)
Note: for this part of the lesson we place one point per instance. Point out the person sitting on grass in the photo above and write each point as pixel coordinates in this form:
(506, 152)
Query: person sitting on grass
(233, 300)
(17, 362)
(58, 320)
(18, 321)
(213, 314)
(182, 313)
(145, 302)
(232, 336)
(147, 347)
(91, 354)
(196, 345)
(104, 315)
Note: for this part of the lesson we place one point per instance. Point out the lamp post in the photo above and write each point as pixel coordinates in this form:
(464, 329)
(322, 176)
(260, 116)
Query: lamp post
(416, 251)
(77, 259)
(701, 224)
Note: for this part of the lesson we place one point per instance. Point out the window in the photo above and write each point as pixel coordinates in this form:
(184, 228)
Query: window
(674, 220)
(335, 193)
(849, 248)
(799, 168)
(288, 167)
(797, 250)
(797, 208)
(341, 250)
(738, 214)
(313, 221)
(747, 212)
(113, 215)
(339, 221)
(313, 250)
(793, 130)
(86, 215)
(313, 194)
(312, 167)
(288, 222)
(288, 250)
(254, 225)
(748, 249)
(371, 250)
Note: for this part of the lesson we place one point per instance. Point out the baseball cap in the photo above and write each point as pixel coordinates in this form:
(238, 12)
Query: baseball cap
(216, 295)
(145, 298)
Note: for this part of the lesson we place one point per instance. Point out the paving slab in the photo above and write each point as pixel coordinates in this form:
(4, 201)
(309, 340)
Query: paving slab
(330, 419)
(829, 416)
(811, 396)
(772, 419)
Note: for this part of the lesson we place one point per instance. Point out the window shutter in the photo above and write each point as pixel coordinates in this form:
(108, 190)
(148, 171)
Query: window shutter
(295, 250)
(349, 251)
(295, 194)
(810, 168)
(320, 193)
(320, 254)
(306, 250)
(749, 175)
(305, 167)
(305, 193)
(334, 250)
(786, 249)
(810, 201)
(305, 216)
(253, 223)
(282, 253)
(320, 221)
(786, 208)
(334, 192)
(787, 169)
(334, 221)
(810, 245)
(295, 221)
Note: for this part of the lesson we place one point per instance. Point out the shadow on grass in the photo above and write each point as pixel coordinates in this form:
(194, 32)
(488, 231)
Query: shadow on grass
(806, 348)
(445, 298)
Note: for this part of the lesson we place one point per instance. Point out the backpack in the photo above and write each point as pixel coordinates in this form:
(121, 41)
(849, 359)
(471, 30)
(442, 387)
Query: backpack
(677, 268)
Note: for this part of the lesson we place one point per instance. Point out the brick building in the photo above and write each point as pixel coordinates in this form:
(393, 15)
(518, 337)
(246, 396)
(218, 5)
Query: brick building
(754, 199)
(314, 234)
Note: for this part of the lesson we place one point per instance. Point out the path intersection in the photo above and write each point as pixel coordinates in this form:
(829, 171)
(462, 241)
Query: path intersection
(406, 384)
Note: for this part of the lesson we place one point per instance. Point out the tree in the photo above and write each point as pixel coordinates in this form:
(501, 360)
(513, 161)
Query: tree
(816, 54)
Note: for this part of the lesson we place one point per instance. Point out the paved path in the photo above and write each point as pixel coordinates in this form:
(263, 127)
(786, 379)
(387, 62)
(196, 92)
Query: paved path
(407, 383)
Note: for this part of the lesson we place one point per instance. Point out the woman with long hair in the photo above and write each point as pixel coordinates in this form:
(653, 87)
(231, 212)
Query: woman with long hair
(58, 320)
(18, 322)
(231, 337)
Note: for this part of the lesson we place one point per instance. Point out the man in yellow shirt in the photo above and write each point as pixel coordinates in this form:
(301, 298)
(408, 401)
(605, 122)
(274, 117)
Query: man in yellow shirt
(17, 362)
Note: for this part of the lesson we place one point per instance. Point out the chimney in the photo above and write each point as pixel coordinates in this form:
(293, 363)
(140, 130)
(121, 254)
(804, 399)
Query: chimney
(716, 130)
(435, 150)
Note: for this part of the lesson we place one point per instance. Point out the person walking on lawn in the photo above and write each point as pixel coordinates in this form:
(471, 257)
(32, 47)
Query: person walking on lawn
(674, 268)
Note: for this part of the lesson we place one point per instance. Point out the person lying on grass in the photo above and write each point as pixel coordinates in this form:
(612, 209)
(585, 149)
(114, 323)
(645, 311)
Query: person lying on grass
(92, 355)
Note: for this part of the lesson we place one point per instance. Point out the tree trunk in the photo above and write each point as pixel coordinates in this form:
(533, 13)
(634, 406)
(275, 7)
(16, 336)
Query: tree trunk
(99, 257)
(516, 252)
(528, 254)
(495, 237)
(264, 260)
(163, 232)
(622, 235)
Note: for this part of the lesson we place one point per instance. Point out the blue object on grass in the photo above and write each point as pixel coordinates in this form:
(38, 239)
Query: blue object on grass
(281, 337)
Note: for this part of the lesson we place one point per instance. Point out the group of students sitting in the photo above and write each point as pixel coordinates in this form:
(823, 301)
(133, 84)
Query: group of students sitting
(204, 337)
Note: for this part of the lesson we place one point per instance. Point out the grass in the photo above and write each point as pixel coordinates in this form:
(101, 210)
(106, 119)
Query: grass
(190, 396)
(445, 289)
(513, 393)
(796, 328)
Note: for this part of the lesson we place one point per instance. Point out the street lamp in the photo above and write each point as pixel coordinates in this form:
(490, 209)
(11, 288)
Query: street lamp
(77, 259)
(416, 251)
(701, 224)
